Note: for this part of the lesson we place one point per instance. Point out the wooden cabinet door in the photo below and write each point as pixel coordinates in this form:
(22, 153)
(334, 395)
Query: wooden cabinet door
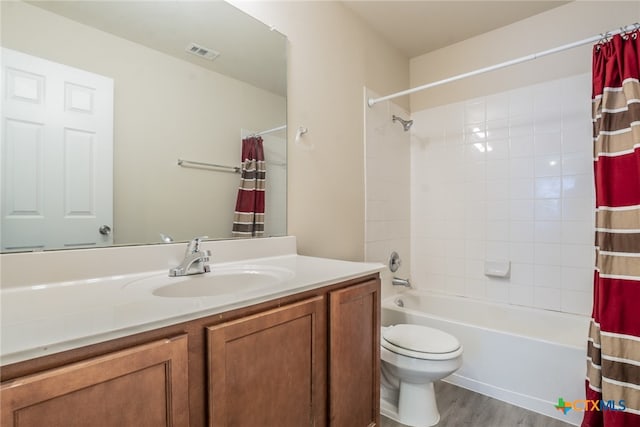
(269, 369)
(146, 385)
(354, 356)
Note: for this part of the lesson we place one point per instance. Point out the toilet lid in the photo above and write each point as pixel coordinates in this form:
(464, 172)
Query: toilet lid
(421, 339)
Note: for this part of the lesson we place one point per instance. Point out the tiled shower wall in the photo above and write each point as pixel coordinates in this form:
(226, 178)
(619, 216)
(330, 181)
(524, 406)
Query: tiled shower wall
(507, 177)
(387, 153)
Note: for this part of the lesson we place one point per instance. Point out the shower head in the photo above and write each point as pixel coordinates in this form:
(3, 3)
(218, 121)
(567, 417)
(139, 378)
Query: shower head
(406, 124)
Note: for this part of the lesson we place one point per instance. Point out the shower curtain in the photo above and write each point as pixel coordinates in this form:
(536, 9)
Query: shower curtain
(248, 219)
(613, 361)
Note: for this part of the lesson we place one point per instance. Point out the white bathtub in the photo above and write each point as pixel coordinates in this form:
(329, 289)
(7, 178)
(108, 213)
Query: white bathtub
(524, 356)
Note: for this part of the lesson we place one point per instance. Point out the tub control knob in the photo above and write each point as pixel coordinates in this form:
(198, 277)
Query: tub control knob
(394, 262)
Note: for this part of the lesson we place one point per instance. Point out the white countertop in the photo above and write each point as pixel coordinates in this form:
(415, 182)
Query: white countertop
(38, 319)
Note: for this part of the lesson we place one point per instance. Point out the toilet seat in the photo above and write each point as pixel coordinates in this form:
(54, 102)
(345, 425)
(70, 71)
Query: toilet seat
(420, 342)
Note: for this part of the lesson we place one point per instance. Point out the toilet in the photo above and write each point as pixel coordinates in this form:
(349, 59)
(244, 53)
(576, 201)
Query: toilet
(413, 357)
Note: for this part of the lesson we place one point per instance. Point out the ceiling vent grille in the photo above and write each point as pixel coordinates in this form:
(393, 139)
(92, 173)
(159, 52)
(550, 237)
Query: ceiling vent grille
(201, 51)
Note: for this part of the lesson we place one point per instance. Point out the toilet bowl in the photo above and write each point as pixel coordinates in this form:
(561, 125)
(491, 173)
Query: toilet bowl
(413, 357)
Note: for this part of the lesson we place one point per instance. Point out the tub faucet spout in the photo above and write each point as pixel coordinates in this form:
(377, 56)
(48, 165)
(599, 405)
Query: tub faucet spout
(401, 282)
(195, 261)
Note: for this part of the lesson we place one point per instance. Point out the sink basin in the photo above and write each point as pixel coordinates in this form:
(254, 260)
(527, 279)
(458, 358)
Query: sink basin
(239, 279)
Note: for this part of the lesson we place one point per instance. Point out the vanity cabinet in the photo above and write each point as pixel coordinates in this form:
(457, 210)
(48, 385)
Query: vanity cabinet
(267, 369)
(354, 356)
(144, 385)
(306, 359)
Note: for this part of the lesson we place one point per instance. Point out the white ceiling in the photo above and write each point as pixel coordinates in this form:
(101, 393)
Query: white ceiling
(249, 50)
(419, 27)
(414, 27)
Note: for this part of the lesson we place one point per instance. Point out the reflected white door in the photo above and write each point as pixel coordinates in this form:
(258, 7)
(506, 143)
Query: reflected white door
(57, 155)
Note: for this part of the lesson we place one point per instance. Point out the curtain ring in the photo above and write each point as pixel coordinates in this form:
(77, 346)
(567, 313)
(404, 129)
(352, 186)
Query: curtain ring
(624, 33)
(604, 38)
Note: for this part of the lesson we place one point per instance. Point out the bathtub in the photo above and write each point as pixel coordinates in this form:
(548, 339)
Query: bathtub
(524, 356)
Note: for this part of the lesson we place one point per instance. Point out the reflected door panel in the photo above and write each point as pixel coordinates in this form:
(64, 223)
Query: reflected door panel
(57, 139)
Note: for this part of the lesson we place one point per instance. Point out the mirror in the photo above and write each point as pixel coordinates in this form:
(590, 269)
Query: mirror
(170, 102)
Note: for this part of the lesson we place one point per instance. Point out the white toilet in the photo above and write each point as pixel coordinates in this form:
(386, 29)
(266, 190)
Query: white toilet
(413, 357)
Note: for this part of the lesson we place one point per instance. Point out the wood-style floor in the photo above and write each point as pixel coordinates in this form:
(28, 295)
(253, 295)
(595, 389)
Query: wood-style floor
(460, 407)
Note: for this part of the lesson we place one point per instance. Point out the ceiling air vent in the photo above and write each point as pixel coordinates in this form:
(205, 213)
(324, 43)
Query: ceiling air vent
(201, 51)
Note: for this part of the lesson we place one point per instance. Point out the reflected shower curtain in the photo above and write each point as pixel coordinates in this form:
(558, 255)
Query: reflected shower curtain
(248, 220)
(613, 362)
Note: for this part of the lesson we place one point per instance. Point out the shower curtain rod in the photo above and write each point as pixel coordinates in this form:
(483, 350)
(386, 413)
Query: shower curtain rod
(264, 132)
(372, 101)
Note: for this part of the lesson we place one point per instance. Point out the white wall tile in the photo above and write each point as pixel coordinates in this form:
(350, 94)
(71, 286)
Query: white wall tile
(577, 163)
(521, 145)
(496, 250)
(546, 143)
(578, 255)
(521, 125)
(547, 276)
(550, 165)
(521, 295)
(547, 254)
(577, 302)
(578, 232)
(474, 111)
(497, 129)
(548, 209)
(498, 148)
(521, 231)
(577, 278)
(579, 209)
(475, 288)
(474, 269)
(497, 169)
(497, 210)
(549, 187)
(521, 210)
(455, 285)
(547, 298)
(522, 273)
(474, 249)
(521, 102)
(497, 106)
(504, 176)
(521, 188)
(521, 252)
(388, 191)
(577, 186)
(475, 229)
(498, 290)
(576, 137)
(453, 120)
(497, 189)
(497, 231)
(548, 231)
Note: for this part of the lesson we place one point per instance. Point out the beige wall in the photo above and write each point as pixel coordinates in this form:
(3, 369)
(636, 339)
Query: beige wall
(566, 24)
(159, 116)
(332, 56)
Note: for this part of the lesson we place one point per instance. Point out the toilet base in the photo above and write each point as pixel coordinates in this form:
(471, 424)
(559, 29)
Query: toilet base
(418, 408)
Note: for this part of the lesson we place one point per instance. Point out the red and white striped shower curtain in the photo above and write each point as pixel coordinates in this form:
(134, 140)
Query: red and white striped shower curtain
(613, 363)
(248, 219)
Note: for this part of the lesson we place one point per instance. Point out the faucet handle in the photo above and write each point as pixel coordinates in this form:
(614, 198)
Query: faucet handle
(194, 244)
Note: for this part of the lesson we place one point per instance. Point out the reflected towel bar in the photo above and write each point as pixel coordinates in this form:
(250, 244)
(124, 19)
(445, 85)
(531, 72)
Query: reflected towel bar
(190, 163)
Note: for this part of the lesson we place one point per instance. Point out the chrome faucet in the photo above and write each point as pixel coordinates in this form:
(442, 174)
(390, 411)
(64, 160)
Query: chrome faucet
(396, 281)
(195, 260)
